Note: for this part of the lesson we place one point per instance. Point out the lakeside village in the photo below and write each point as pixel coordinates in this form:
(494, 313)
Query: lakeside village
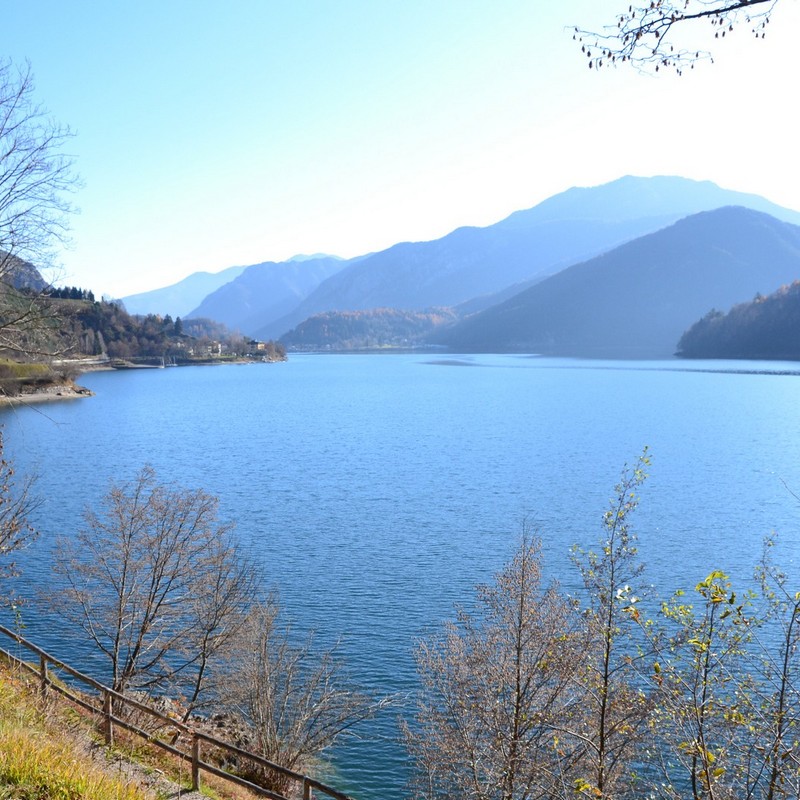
(80, 334)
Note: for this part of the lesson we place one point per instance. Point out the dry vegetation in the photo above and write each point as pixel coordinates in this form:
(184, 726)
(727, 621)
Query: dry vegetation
(44, 757)
(54, 752)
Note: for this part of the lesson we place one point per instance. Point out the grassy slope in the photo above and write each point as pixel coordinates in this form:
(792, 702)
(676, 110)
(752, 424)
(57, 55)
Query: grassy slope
(40, 761)
(53, 755)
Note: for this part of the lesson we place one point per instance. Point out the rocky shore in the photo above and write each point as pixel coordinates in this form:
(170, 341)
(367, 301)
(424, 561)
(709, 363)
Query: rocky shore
(46, 394)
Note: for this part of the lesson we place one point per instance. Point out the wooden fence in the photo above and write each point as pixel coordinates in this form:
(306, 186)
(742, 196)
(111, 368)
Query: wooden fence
(108, 709)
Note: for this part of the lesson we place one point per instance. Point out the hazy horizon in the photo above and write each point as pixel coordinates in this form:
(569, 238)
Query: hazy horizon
(208, 138)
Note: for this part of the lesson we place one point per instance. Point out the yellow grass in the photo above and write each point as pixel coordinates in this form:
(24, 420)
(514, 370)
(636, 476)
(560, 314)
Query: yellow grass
(38, 762)
(44, 756)
(21, 370)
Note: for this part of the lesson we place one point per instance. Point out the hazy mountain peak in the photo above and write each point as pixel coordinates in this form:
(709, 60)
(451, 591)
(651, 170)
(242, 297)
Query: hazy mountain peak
(632, 196)
(469, 262)
(180, 298)
(301, 257)
(267, 300)
(266, 291)
(637, 299)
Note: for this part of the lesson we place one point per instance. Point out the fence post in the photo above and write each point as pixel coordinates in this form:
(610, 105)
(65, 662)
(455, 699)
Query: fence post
(107, 710)
(43, 676)
(306, 789)
(195, 762)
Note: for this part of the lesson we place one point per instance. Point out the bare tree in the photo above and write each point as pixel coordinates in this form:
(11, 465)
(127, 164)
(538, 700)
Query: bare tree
(644, 35)
(36, 179)
(526, 698)
(30, 325)
(497, 693)
(157, 584)
(16, 504)
(614, 709)
(291, 702)
(36, 175)
(224, 593)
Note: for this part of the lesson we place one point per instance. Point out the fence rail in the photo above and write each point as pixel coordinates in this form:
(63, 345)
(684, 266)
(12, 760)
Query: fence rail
(112, 700)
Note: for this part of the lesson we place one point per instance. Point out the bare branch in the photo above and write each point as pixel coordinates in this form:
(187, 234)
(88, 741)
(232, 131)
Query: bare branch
(36, 175)
(36, 179)
(497, 693)
(158, 586)
(644, 35)
(291, 702)
(17, 501)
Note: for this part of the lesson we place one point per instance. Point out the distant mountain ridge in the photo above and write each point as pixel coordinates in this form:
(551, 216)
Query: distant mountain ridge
(266, 291)
(470, 267)
(185, 297)
(464, 264)
(572, 226)
(636, 300)
(659, 196)
(179, 299)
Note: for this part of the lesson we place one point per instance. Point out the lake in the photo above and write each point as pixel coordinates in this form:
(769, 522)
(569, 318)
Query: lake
(377, 490)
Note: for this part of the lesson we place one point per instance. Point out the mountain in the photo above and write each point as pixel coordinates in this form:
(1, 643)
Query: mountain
(470, 262)
(266, 292)
(766, 327)
(636, 300)
(20, 274)
(180, 298)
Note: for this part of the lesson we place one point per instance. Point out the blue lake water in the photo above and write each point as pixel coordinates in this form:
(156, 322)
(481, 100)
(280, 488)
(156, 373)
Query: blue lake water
(377, 490)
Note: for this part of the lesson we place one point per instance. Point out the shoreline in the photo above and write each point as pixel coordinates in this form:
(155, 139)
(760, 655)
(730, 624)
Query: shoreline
(72, 391)
(47, 394)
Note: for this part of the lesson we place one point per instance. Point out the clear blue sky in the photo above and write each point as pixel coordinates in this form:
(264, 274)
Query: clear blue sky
(210, 135)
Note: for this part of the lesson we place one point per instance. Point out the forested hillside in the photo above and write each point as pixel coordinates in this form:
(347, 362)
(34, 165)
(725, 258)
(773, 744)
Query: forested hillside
(765, 328)
(376, 328)
(78, 325)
